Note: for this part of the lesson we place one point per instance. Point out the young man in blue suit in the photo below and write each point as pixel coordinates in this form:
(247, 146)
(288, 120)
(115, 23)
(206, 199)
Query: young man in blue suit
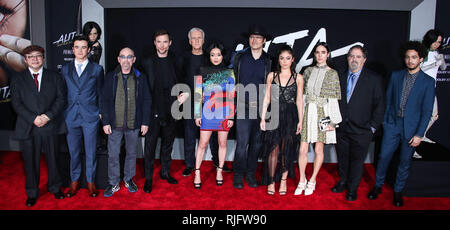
(409, 104)
(84, 80)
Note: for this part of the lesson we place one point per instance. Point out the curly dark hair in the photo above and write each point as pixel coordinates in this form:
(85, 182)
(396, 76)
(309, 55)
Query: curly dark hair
(413, 45)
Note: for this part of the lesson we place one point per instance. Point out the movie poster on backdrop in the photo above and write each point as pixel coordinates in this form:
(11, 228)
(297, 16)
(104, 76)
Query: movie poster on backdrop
(440, 130)
(60, 32)
(14, 37)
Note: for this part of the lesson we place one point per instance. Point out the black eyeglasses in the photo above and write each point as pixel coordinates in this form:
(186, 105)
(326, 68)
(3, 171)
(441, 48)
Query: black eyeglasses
(38, 56)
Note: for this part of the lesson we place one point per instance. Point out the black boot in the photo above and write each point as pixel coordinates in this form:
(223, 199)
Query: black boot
(398, 200)
(373, 194)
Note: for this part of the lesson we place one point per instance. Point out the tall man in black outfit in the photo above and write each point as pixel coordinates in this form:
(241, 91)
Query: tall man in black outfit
(251, 68)
(188, 66)
(39, 98)
(161, 71)
(362, 110)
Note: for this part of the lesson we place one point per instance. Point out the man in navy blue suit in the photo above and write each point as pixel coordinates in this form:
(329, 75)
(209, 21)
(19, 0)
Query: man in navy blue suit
(84, 81)
(409, 104)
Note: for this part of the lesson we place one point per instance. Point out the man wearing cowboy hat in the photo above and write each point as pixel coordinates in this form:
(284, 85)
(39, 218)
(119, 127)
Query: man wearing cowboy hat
(251, 68)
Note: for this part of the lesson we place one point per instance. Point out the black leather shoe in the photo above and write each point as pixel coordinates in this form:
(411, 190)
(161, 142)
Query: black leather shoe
(251, 180)
(351, 195)
(148, 186)
(30, 202)
(188, 171)
(237, 181)
(398, 200)
(339, 187)
(59, 195)
(169, 179)
(373, 194)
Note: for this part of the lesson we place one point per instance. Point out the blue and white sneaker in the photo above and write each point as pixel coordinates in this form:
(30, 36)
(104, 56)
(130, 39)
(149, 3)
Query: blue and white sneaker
(131, 186)
(110, 190)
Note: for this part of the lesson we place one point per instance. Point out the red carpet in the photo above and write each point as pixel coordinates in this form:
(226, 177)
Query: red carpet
(184, 197)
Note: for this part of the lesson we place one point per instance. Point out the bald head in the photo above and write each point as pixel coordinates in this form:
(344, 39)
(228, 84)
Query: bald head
(126, 59)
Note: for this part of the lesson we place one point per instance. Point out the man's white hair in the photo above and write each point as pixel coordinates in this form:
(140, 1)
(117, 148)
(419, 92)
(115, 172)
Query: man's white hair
(196, 29)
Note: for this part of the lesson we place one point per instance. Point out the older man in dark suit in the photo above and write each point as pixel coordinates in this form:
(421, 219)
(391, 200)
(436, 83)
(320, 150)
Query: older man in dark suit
(362, 108)
(39, 99)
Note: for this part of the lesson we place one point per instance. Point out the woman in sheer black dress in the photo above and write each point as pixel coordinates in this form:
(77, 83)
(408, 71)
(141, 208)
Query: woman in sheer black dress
(285, 88)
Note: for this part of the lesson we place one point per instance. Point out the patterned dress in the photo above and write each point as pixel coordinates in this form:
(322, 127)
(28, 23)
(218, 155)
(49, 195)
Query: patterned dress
(215, 87)
(322, 92)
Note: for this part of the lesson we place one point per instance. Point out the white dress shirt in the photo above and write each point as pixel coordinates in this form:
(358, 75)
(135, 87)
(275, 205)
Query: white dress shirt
(39, 76)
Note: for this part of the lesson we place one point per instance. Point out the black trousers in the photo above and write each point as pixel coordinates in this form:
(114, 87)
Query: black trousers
(248, 146)
(191, 133)
(351, 152)
(31, 151)
(167, 133)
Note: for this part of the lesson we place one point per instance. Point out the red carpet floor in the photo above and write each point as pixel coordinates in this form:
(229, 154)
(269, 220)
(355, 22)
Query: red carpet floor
(184, 197)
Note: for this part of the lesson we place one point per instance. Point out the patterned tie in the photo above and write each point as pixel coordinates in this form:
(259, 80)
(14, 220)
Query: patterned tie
(79, 69)
(350, 86)
(35, 75)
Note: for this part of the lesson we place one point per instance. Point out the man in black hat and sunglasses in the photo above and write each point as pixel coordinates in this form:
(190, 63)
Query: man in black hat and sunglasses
(251, 68)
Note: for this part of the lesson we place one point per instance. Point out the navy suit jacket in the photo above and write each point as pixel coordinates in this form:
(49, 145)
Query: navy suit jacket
(83, 93)
(419, 105)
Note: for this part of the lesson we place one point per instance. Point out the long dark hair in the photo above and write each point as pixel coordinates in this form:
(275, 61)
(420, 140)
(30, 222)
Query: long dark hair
(285, 48)
(329, 61)
(88, 27)
(430, 37)
(219, 46)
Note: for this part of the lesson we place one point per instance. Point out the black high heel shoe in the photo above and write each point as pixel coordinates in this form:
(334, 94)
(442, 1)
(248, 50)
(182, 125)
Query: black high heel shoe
(219, 182)
(197, 185)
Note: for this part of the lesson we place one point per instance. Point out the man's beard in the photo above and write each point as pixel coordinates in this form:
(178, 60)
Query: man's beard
(353, 66)
(413, 68)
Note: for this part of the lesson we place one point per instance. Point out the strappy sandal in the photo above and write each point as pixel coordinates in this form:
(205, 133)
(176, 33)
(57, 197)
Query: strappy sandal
(197, 185)
(271, 192)
(283, 192)
(310, 187)
(219, 182)
(300, 187)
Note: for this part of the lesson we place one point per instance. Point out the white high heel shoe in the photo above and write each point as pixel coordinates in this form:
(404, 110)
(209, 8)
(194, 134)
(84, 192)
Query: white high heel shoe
(300, 187)
(310, 187)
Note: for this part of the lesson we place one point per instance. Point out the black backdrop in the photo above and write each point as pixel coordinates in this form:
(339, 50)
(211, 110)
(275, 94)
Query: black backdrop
(381, 31)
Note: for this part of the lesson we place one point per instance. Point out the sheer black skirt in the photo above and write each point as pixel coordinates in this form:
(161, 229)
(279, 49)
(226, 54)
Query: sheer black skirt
(280, 148)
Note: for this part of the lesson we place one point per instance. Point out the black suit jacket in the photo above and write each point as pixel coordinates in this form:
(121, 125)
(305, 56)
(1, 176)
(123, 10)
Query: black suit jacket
(28, 103)
(149, 65)
(367, 103)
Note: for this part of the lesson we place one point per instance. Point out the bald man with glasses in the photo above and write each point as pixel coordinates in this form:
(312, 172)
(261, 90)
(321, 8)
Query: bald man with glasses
(126, 104)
